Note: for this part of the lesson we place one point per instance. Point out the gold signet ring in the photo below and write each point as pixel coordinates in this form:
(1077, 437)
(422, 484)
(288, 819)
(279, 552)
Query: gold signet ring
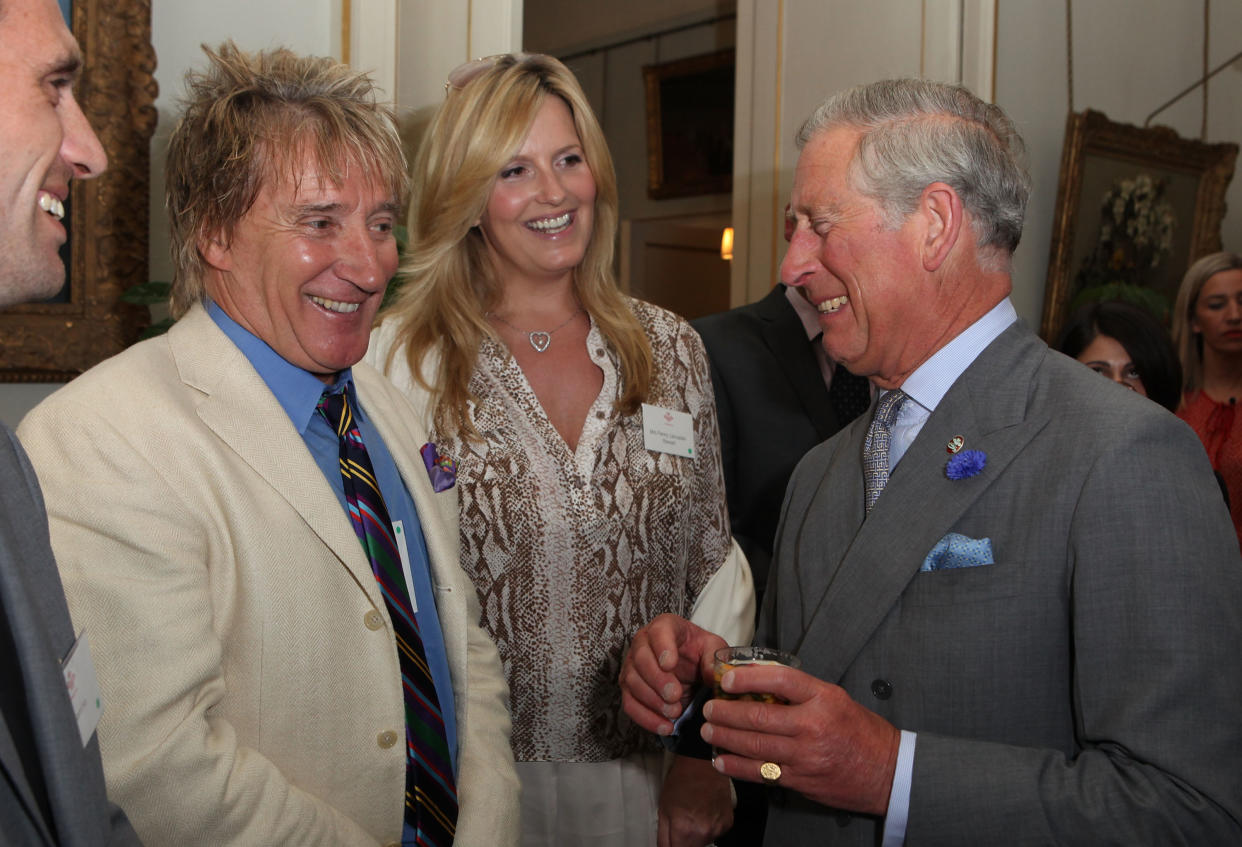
(770, 771)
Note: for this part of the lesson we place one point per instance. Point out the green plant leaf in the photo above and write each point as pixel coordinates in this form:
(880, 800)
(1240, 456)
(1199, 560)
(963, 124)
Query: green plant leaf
(147, 293)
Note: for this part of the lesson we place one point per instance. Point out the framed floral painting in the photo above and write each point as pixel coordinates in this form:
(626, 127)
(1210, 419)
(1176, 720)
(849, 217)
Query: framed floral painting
(1135, 206)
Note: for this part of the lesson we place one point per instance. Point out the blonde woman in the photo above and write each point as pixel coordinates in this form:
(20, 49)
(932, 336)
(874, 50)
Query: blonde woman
(1207, 331)
(584, 436)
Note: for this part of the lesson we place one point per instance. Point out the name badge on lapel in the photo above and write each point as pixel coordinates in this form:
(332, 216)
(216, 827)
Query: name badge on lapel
(666, 431)
(403, 549)
(83, 687)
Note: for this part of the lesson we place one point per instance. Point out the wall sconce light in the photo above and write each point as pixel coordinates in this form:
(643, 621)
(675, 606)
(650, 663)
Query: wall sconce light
(726, 244)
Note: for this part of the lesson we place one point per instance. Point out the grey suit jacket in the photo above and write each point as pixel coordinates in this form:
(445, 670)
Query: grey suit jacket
(1084, 688)
(54, 794)
(773, 407)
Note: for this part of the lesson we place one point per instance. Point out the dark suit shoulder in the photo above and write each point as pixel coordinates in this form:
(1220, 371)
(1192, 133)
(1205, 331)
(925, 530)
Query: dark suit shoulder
(749, 318)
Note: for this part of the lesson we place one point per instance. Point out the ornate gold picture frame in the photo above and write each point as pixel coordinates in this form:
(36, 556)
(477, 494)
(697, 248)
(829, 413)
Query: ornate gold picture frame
(108, 216)
(690, 125)
(1135, 206)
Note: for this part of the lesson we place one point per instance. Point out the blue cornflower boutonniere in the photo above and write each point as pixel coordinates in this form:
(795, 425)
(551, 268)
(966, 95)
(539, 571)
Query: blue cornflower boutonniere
(441, 469)
(965, 464)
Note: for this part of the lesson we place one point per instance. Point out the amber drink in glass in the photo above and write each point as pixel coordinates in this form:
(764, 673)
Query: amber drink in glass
(728, 658)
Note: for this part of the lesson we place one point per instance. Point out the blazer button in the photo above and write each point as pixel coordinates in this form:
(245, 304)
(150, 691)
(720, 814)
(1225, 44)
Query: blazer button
(374, 620)
(882, 689)
(386, 739)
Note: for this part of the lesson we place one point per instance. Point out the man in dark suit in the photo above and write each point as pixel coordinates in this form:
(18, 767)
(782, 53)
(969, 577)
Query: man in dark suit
(1015, 592)
(777, 396)
(51, 781)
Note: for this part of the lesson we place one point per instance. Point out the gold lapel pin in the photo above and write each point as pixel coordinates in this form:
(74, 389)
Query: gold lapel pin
(955, 444)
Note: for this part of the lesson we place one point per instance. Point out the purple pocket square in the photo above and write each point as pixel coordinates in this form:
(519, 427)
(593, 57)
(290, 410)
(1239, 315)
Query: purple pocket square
(441, 469)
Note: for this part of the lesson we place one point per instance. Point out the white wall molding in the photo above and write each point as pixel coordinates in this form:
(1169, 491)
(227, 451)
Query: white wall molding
(757, 146)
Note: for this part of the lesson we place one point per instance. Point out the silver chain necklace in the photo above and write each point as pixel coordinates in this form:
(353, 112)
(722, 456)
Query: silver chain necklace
(539, 339)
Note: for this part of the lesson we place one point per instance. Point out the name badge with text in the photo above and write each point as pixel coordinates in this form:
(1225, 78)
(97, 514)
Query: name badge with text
(398, 528)
(666, 431)
(83, 687)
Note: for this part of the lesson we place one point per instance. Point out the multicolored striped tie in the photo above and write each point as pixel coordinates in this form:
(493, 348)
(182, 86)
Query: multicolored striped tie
(430, 790)
(875, 447)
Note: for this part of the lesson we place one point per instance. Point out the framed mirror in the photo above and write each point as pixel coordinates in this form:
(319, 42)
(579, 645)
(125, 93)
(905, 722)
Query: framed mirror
(108, 217)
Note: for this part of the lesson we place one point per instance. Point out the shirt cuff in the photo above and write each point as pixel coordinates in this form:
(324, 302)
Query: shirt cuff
(899, 797)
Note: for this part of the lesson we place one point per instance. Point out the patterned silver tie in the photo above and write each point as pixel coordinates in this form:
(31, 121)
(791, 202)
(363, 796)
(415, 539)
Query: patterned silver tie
(875, 447)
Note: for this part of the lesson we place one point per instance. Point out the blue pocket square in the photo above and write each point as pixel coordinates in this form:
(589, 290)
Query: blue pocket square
(958, 551)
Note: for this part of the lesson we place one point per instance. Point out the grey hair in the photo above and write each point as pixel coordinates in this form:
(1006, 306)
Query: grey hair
(916, 132)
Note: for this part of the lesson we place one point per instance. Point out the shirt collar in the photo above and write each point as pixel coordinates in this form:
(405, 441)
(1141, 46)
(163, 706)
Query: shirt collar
(297, 390)
(933, 379)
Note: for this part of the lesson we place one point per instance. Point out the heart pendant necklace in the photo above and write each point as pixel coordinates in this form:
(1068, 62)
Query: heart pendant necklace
(539, 338)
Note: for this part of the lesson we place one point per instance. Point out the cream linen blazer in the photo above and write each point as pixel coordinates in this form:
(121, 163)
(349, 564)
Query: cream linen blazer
(248, 667)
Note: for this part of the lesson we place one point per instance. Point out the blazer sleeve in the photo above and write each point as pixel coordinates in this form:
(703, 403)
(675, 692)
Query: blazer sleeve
(1155, 593)
(133, 552)
(487, 782)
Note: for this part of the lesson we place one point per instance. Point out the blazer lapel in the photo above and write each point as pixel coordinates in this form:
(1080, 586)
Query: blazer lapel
(243, 412)
(404, 435)
(398, 422)
(785, 336)
(987, 406)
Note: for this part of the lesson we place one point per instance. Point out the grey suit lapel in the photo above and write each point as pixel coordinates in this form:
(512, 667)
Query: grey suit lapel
(785, 337)
(987, 406)
(243, 412)
(11, 770)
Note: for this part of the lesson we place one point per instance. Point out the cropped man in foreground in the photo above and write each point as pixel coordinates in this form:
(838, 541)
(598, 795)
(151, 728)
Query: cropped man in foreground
(51, 782)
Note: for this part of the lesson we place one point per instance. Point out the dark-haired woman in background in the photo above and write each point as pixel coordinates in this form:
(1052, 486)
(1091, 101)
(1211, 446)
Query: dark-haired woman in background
(1129, 346)
(1207, 329)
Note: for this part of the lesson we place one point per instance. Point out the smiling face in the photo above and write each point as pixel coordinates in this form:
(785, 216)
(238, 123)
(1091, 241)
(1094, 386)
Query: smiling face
(46, 142)
(1218, 313)
(1106, 356)
(540, 213)
(864, 278)
(307, 266)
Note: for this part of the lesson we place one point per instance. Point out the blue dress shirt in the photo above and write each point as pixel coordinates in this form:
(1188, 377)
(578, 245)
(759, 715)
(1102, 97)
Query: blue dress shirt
(298, 392)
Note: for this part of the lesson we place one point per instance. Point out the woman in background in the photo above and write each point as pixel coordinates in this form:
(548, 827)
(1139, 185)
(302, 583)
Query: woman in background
(1207, 329)
(1127, 345)
(577, 526)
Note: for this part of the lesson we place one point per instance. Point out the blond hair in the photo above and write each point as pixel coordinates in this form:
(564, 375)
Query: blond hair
(1188, 343)
(249, 117)
(450, 283)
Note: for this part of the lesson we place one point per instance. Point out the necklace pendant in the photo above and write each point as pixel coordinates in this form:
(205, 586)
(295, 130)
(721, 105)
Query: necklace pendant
(539, 340)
